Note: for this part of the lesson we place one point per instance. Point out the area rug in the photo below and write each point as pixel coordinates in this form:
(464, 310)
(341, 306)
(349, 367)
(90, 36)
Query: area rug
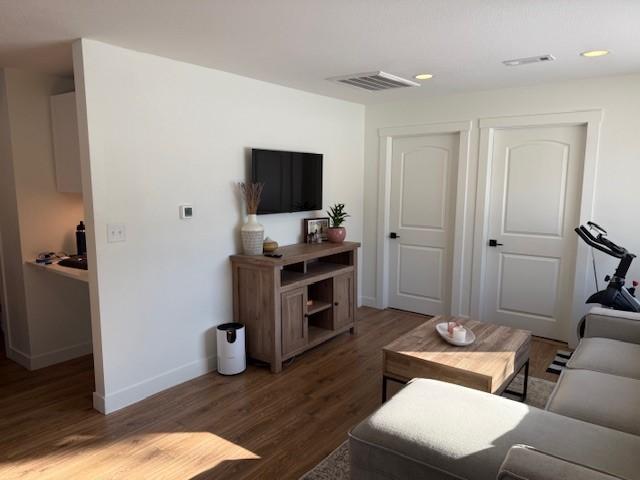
(559, 362)
(336, 465)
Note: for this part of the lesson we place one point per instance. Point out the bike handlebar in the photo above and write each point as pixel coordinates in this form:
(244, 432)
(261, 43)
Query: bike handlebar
(600, 243)
(595, 226)
(616, 248)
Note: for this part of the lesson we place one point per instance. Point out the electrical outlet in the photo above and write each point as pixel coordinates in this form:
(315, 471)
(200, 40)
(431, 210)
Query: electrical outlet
(116, 232)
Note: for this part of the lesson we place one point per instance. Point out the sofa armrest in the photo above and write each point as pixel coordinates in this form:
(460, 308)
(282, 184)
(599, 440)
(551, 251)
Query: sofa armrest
(614, 324)
(527, 463)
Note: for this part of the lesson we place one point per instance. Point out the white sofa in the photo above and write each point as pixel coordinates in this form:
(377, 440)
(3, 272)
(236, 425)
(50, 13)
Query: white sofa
(589, 430)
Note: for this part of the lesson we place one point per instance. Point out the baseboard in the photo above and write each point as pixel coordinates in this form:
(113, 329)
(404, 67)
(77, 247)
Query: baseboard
(62, 355)
(98, 402)
(139, 391)
(368, 301)
(19, 357)
(34, 362)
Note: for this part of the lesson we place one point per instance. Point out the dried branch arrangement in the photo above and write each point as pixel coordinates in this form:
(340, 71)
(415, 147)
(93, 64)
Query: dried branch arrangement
(251, 193)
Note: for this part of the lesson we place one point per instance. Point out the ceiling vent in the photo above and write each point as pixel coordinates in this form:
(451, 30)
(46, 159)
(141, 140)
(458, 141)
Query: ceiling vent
(374, 81)
(525, 61)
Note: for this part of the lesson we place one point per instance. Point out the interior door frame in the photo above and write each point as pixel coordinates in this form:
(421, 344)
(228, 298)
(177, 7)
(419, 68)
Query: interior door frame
(592, 120)
(4, 305)
(386, 137)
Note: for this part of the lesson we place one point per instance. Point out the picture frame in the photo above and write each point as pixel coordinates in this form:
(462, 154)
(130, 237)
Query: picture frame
(316, 224)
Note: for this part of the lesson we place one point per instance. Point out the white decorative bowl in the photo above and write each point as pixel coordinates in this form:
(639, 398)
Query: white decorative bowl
(442, 329)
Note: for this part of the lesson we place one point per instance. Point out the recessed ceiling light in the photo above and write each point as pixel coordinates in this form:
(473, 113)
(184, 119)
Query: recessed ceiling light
(595, 53)
(423, 76)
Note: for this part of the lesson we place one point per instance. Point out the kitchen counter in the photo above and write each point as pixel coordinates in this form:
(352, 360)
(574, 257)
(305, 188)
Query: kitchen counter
(75, 273)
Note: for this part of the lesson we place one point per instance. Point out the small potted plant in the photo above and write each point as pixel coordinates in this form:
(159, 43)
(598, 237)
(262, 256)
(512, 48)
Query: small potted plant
(336, 233)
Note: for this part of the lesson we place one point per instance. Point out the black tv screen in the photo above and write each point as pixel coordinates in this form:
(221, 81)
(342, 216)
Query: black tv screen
(292, 180)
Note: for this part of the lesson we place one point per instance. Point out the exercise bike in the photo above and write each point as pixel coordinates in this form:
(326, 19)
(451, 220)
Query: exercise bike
(616, 295)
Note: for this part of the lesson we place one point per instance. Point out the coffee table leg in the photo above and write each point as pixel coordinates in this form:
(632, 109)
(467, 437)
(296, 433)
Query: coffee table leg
(526, 381)
(385, 382)
(523, 395)
(384, 388)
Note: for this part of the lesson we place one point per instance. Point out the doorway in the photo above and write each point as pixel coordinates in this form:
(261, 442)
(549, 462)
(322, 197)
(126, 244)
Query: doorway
(422, 214)
(539, 175)
(423, 189)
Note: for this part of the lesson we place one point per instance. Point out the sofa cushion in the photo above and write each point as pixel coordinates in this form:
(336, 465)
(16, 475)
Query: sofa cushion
(526, 463)
(608, 323)
(607, 356)
(599, 398)
(437, 430)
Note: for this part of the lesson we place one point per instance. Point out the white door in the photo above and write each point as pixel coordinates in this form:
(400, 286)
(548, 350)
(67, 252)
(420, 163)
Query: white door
(422, 210)
(536, 177)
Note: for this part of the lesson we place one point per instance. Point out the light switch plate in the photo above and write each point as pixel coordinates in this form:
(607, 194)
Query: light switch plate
(116, 232)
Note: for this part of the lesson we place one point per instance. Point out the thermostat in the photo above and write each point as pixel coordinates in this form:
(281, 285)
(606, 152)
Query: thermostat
(186, 211)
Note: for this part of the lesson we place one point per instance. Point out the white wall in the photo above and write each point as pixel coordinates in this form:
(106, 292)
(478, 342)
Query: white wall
(47, 315)
(162, 133)
(616, 203)
(18, 336)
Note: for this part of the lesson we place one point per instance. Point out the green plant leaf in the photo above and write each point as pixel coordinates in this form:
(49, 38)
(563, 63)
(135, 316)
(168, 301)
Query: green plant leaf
(337, 215)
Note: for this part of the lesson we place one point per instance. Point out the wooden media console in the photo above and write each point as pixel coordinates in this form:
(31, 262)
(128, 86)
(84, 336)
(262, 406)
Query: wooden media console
(293, 303)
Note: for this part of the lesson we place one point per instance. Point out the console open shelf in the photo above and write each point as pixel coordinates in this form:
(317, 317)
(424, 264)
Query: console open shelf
(315, 272)
(317, 335)
(295, 302)
(318, 306)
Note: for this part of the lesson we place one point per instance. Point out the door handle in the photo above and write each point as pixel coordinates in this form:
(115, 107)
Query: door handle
(394, 235)
(494, 243)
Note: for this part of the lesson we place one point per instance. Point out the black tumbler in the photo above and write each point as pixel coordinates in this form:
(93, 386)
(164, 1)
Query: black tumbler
(81, 239)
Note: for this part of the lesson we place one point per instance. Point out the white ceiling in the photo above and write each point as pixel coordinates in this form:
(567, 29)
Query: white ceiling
(300, 43)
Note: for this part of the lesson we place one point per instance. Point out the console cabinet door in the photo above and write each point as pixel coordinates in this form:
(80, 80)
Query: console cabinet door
(343, 300)
(295, 330)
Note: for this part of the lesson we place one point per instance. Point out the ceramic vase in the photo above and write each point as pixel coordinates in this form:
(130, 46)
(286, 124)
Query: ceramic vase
(336, 234)
(252, 234)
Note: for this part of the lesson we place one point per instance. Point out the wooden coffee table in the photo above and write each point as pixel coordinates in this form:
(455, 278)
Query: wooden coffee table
(489, 364)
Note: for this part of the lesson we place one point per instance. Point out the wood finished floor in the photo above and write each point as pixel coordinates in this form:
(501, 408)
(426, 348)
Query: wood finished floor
(255, 425)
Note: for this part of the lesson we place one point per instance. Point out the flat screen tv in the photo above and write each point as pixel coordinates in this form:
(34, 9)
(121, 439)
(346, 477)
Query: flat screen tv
(292, 180)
